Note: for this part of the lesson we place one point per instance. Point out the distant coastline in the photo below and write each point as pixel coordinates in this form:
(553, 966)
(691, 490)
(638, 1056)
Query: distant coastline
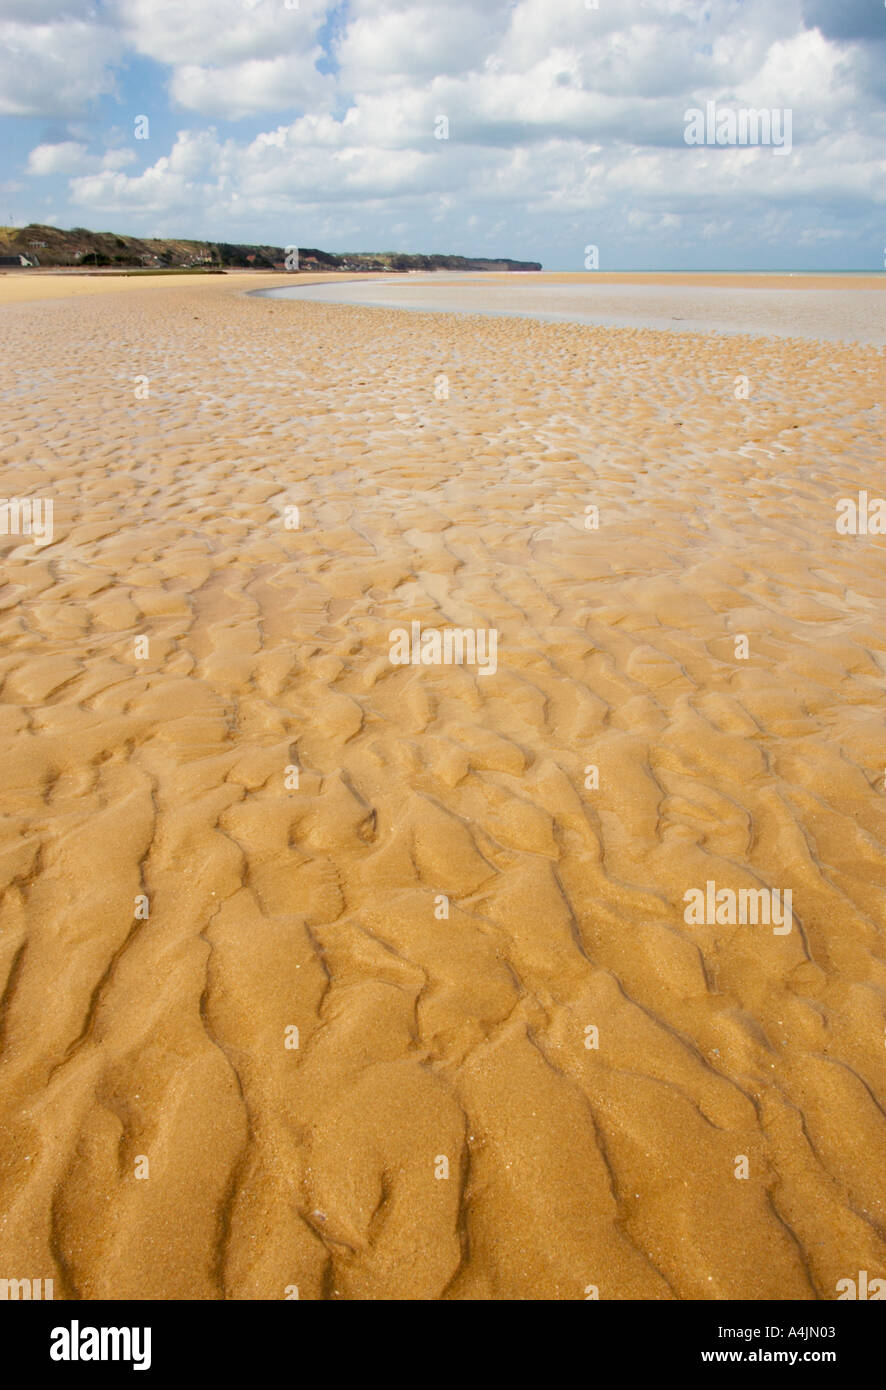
(43, 247)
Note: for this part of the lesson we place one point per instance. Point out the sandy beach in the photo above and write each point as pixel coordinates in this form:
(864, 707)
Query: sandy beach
(366, 980)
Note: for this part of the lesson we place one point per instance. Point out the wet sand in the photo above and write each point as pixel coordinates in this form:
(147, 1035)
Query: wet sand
(558, 1087)
(825, 308)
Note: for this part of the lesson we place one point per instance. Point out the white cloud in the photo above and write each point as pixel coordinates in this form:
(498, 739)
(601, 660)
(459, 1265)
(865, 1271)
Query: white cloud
(220, 33)
(67, 157)
(283, 82)
(386, 46)
(555, 111)
(54, 69)
(70, 157)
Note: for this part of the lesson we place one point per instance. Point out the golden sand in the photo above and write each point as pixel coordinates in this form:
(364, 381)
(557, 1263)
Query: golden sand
(160, 1140)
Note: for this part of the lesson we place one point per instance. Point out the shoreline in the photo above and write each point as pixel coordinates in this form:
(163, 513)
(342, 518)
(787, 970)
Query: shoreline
(788, 309)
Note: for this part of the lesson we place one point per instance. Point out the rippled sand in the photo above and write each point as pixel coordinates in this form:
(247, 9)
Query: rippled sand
(423, 1038)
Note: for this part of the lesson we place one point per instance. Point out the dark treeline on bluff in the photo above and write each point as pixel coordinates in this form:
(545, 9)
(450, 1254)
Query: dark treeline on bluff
(51, 246)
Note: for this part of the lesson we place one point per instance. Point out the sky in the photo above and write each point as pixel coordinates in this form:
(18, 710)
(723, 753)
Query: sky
(533, 129)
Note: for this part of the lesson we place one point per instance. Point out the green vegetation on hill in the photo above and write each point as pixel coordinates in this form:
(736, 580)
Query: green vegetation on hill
(51, 246)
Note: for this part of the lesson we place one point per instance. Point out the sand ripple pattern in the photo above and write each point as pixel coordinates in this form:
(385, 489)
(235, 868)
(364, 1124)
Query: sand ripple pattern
(422, 1038)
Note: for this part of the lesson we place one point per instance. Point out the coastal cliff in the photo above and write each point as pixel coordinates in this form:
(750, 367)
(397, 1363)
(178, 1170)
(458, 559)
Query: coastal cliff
(53, 247)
